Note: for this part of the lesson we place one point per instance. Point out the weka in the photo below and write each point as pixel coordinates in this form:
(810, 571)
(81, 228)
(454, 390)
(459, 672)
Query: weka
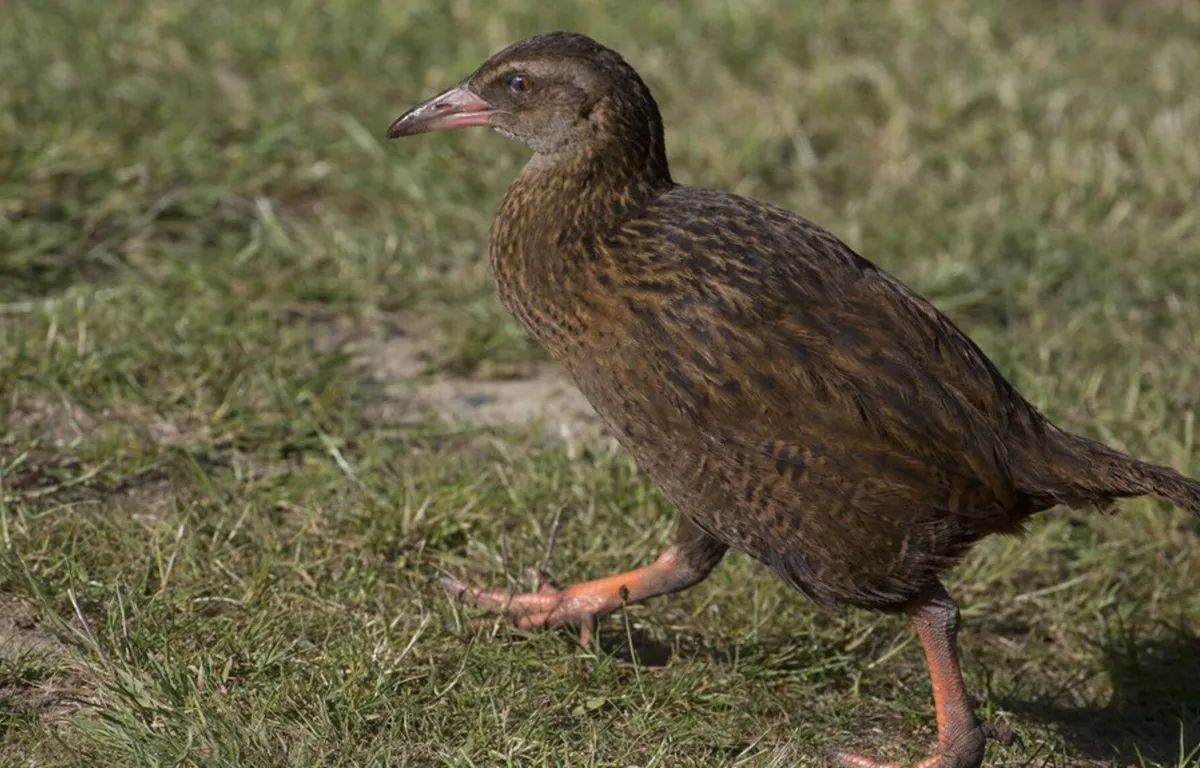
(790, 398)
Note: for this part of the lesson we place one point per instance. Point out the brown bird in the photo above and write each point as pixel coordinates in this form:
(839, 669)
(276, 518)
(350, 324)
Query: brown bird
(790, 398)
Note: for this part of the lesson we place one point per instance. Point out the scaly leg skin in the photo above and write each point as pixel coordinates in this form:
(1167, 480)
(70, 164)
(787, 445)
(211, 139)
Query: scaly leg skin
(688, 560)
(961, 735)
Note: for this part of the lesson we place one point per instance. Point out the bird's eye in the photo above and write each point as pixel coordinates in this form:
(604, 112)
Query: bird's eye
(518, 83)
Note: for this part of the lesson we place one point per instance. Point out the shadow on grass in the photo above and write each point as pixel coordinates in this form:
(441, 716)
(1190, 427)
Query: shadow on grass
(1153, 713)
(782, 656)
(647, 650)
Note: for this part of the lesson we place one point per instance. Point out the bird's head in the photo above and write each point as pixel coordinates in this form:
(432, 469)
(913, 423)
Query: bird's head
(557, 93)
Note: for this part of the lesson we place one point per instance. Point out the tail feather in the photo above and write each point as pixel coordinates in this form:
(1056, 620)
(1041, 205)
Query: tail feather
(1105, 474)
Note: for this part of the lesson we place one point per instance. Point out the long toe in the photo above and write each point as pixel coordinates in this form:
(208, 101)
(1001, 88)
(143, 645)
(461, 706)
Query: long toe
(851, 760)
(512, 605)
(964, 752)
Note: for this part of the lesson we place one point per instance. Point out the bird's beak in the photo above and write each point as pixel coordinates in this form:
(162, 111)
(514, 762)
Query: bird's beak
(455, 108)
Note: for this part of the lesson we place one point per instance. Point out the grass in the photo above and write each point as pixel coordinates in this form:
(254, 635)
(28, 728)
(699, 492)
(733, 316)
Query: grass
(221, 509)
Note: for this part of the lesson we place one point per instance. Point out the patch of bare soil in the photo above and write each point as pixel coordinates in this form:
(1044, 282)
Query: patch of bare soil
(147, 500)
(45, 431)
(56, 422)
(52, 421)
(402, 357)
(21, 632)
(38, 672)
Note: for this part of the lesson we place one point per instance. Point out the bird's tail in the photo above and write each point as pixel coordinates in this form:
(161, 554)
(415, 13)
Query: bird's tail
(1099, 474)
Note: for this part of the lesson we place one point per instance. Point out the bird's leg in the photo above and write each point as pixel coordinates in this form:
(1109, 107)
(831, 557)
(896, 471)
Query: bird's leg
(688, 560)
(961, 735)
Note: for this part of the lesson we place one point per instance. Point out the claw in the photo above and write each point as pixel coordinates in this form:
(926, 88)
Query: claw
(452, 585)
(587, 631)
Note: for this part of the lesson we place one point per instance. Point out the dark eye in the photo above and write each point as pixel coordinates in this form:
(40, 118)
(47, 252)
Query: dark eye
(518, 83)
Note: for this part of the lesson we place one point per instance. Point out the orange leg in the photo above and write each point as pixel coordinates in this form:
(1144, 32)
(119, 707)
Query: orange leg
(685, 563)
(961, 735)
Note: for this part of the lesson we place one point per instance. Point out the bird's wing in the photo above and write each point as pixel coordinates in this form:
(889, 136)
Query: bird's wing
(774, 336)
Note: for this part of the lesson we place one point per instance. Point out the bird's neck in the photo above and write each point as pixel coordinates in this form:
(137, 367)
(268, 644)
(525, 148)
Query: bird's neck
(591, 191)
(545, 242)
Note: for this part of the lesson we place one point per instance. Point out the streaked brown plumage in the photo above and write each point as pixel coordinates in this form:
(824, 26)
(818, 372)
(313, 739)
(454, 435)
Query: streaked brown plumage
(791, 399)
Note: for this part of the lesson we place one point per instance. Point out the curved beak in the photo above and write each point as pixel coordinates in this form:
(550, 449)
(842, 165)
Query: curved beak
(455, 108)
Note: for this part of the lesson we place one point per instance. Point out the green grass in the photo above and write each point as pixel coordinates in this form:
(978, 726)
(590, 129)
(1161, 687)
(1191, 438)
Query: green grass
(220, 514)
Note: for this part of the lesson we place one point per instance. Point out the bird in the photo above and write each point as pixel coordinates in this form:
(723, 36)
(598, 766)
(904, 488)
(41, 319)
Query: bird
(791, 399)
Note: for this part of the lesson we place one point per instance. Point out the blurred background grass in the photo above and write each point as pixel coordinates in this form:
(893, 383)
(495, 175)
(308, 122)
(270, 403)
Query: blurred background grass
(220, 510)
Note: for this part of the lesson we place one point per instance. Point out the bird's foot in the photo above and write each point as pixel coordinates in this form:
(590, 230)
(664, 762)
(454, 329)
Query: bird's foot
(548, 607)
(964, 752)
(585, 602)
